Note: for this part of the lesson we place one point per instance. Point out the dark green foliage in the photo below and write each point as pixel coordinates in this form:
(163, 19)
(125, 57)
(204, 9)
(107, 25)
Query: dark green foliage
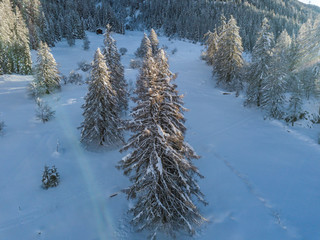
(50, 177)
(192, 19)
(86, 43)
(2, 125)
(123, 51)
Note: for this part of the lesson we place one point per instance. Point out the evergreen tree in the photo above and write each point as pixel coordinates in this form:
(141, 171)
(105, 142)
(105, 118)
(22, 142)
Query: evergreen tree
(21, 56)
(50, 177)
(211, 46)
(47, 78)
(15, 54)
(273, 95)
(153, 37)
(308, 51)
(316, 77)
(160, 164)
(86, 42)
(260, 68)
(101, 118)
(294, 112)
(116, 69)
(145, 44)
(228, 60)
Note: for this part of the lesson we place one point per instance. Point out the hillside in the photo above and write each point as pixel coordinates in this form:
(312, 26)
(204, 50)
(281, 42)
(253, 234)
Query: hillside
(261, 176)
(52, 20)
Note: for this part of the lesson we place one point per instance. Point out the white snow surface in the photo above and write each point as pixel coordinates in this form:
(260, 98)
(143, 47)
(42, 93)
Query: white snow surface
(262, 177)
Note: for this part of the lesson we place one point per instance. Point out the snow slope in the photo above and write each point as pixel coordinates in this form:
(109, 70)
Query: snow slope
(261, 176)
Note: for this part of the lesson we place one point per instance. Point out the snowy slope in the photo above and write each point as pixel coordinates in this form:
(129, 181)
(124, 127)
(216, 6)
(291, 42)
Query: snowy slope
(261, 177)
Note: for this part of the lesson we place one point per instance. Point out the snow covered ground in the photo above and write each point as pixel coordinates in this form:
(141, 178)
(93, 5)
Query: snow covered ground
(262, 178)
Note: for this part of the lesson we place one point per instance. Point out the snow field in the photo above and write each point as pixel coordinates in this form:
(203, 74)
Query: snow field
(261, 176)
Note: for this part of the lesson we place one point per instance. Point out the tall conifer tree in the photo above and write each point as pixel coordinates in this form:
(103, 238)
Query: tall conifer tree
(101, 117)
(273, 95)
(261, 63)
(160, 164)
(154, 41)
(143, 49)
(228, 60)
(212, 39)
(115, 67)
(47, 77)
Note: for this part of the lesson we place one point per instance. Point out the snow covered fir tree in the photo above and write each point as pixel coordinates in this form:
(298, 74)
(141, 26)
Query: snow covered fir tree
(50, 177)
(160, 164)
(15, 56)
(260, 68)
(47, 76)
(117, 80)
(228, 57)
(153, 37)
(101, 116)
(143, 49)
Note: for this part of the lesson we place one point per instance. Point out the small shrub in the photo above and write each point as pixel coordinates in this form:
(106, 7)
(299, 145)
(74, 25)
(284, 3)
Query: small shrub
(75, 78)
(174, 51)
(164, 47)
(50, 177)
(123, 51)
(86, 43)
(64, 79)
(71, 41)
(294, 118)
(33, 90)
(2, 125)
(44, 111)
(135, 63)
(84, 66)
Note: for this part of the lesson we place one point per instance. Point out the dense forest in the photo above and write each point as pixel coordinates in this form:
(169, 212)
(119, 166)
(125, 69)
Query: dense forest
(52, 20)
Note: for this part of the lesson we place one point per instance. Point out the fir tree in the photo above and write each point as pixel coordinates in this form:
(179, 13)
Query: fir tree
(228, 60)
(115, 67)
(273, 94)
(15, 54)
(154, 41)
(211, 46)
(50, 177)
(145, 44)
(101, 118)
(294, 112)
(21, 59)
(86, 42)
(260, 67)
(44, 111)
(160, 164)
(47, 78)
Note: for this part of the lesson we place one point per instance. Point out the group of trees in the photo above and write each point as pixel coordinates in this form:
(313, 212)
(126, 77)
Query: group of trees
(282, 73)
(25, 23)
(15, 54)
(224, 53)
(191, 19)
(107, 98)
(160, 164)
